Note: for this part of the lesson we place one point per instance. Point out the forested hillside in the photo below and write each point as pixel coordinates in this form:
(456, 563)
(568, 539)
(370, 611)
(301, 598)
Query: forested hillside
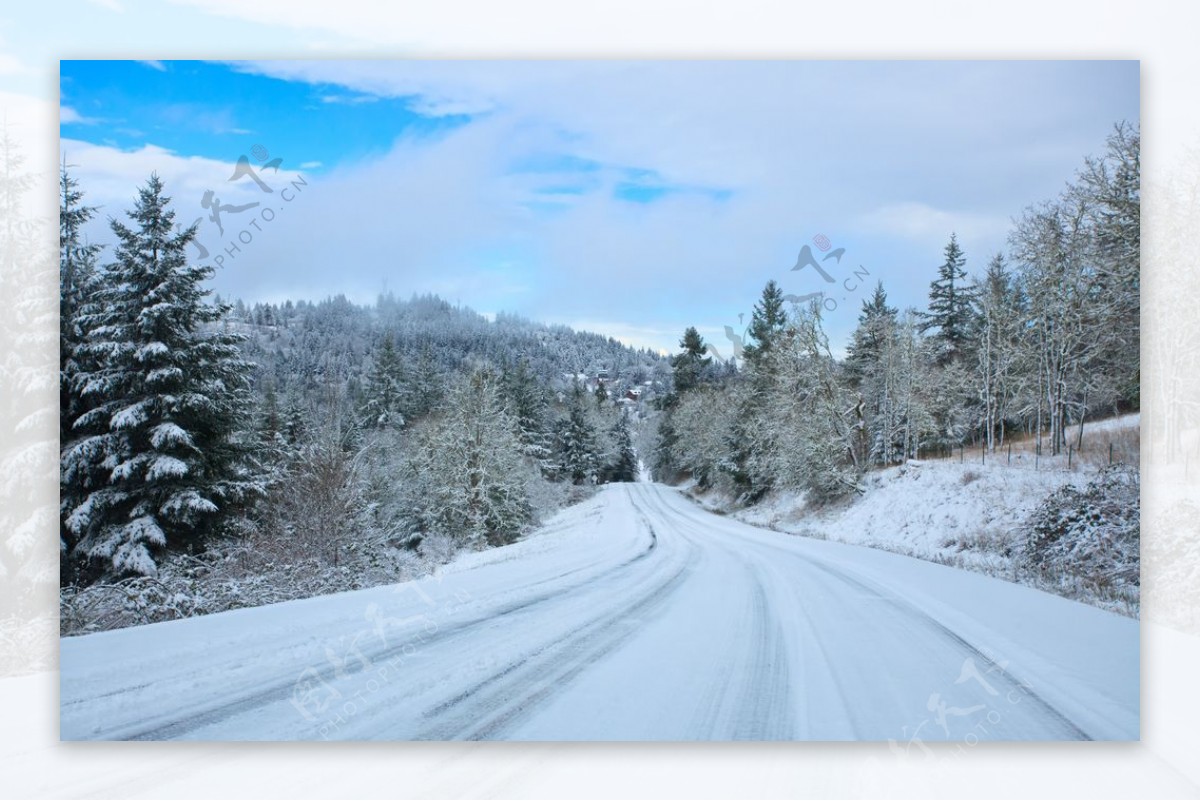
(216, 454)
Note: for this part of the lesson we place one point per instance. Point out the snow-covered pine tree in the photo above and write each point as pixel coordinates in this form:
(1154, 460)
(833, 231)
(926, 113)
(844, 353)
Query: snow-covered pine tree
(384, 389)
(624, 466)
(768, 321)
(746, 427)
(167, 392)
(866, 369)
(949, 305)
(743, 436)
(76, 277)
(526, 399)
(577, 446)
(272, 446)
(77, 273)
(868, 340)
(425, 389)
(295, 424)
(666, 444)
(689, 366)
(467, 479)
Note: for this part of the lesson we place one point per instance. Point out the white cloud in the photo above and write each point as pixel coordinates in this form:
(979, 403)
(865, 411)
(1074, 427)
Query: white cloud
(349, 100)
(800, 154)
(68, 115)
(922, 223)
(110, 177)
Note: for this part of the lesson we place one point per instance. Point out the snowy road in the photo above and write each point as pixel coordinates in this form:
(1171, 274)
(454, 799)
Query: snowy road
(635, 615)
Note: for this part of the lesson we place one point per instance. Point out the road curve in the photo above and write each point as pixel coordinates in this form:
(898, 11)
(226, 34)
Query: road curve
(635, 615)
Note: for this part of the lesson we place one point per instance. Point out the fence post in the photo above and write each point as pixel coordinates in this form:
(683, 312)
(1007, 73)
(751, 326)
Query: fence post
(1110, 453)
(1010, 453)
(1070, 451)
(983, 454)
(962, 454)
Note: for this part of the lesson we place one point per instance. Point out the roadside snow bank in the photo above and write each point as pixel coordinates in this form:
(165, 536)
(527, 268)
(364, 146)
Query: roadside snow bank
(967, 516)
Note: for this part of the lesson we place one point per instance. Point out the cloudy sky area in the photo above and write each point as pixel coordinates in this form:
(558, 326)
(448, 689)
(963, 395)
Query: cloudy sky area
(630, 198)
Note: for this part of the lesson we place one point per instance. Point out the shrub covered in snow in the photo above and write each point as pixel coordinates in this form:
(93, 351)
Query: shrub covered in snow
(253, 571)
(1089, 534)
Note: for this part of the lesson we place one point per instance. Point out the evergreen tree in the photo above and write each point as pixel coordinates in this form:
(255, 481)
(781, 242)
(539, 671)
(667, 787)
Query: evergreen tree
(384, 389)
(665, 458)
(689, 365)
(749, 430)
(77, 279)
(272, 422)
(687, 368)
(949, 305)
(467, 480)
(526, 400)
(867, 371)
(77, 274)
(295, 427)
(577, 446)
(425, 390)
(625, 466)
(273, 445)
(768, 321)
(867, 343)
(166, 394)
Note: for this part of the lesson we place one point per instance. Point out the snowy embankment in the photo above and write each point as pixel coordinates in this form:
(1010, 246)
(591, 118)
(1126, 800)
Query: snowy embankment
(966, 514)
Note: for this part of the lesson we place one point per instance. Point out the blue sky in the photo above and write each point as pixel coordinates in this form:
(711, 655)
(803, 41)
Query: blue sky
(632, 198)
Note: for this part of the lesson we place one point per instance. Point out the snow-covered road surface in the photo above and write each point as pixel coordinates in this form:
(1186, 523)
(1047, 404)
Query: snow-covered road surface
(635, 615)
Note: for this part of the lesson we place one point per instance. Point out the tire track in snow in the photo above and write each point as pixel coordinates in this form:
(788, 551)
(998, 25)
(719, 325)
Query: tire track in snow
(955, 641)
(172, 726)
(760, 706)
(486, 709)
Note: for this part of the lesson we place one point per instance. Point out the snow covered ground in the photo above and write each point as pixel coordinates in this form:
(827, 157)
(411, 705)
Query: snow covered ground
(635, 615)
(969, 513)
(960, 512)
